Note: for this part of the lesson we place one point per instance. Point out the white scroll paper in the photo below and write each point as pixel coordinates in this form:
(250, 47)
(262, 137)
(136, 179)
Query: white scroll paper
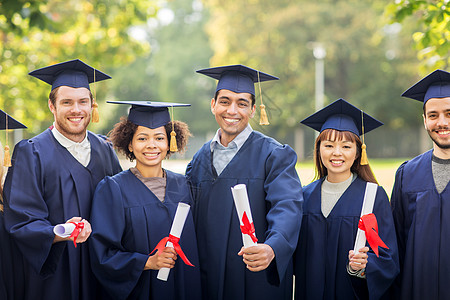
(243, 205)
(367, 208)
(177, 227)
(64, 230)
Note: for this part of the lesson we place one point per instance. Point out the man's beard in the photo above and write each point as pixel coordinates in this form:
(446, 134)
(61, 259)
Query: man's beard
(435, 140)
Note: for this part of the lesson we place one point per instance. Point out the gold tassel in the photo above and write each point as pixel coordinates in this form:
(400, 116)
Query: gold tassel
(95, 115)
(7, 157)
(173, 134)
(364, 160)
(263, 120)
(173, 142)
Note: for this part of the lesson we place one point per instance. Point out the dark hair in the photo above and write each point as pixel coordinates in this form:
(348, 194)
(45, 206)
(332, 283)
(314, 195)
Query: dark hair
(54, 93)
(251, 96)
(122, 135)
(363, 171)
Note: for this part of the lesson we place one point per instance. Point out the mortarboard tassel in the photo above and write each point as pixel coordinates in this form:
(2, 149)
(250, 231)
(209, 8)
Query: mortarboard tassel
(263, 120)
(95, 114)
(7, 156)
(173, 139)
(364, 160)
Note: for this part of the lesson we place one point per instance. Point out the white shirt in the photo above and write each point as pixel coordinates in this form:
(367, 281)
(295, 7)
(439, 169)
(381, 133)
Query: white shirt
(223, 155)
(81, 151)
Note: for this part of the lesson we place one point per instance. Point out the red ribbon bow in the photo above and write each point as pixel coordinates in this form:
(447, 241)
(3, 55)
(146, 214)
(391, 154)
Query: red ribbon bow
(78, 227)
(368, 224)
(248, 228)
(174, 240)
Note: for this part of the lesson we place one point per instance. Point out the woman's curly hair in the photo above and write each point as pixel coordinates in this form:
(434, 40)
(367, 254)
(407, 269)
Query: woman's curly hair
(122, 135)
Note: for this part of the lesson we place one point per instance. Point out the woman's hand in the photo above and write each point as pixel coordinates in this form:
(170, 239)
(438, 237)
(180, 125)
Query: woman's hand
(164, 259)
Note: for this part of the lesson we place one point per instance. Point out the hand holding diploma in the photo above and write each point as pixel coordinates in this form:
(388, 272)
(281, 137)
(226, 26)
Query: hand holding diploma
(368, 226)
(358, 260)
(163, 259)
(75, 229)
(244, 214)
(257, 257)
(172, 240)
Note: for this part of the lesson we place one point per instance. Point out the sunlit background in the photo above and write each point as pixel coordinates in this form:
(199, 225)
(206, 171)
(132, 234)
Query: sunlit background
(367, 52)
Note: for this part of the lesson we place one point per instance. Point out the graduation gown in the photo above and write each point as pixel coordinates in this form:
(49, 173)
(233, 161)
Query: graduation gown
(267, 168)
(322, 253)
(421, 217)
(8, 272)
(128, 221)
(46, 186)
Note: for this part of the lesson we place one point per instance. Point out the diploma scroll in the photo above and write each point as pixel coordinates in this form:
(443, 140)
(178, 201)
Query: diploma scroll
(64, 230)
(367, 208)
(242, 205)
(177, 227)
(69, 229)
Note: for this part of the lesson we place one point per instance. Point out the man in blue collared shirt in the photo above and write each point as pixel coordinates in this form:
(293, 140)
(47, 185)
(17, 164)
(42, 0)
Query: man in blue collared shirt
(237, 154)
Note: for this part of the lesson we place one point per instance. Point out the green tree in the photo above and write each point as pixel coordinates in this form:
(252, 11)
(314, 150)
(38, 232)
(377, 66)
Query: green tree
(432, 38)
(366, 63)
(35, 34)
(179, 47)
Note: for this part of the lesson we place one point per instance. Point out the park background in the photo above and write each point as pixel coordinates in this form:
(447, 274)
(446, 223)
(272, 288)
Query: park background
(367, 52)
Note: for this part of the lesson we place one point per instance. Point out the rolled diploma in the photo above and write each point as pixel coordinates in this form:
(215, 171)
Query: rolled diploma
(242, 204)
(64, 230)
(177, 227)
(369, 200)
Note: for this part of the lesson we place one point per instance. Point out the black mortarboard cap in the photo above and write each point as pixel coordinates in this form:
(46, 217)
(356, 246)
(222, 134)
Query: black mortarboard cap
(150, 114)
(72, 73)
(434, 85)
(237, 78)
(11, 123)
(342, 116)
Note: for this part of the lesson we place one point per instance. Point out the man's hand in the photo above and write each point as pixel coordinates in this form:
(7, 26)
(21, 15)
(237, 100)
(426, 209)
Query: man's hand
(82, 236)
(258, 257)
(358, 261)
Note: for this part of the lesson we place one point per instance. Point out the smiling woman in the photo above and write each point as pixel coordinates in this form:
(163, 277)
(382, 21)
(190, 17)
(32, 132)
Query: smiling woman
(331, 214)
(143, 200)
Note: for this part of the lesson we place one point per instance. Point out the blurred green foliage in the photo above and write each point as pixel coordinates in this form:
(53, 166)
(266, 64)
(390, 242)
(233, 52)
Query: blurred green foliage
(179, 47)
(368, 62)
(153, 47)
(35, 34)
(432, 39)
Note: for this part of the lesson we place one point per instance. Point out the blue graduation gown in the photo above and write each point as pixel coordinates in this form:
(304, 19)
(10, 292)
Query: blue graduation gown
(322, 253)
(421, 217)
(9, 272)
(275, 194)
(128, 221)
(46, 186)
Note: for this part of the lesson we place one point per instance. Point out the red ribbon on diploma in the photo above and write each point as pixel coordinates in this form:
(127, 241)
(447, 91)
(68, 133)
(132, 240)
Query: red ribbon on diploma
(78, 227)
(174, 240)
(368, 224)
(248, 228)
